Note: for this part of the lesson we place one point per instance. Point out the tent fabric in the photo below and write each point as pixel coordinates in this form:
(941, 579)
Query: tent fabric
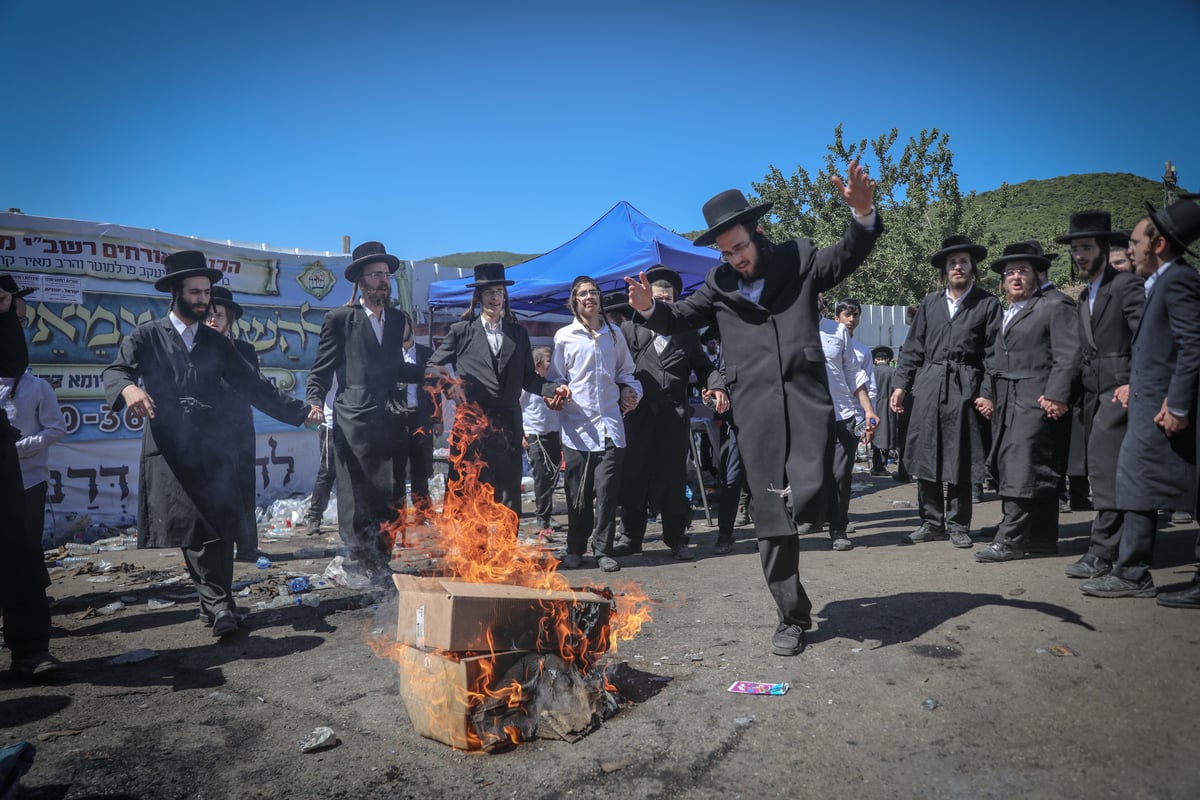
(622, 242)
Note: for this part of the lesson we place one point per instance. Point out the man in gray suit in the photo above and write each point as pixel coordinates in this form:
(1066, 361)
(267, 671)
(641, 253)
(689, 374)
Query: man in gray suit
(1157, 462)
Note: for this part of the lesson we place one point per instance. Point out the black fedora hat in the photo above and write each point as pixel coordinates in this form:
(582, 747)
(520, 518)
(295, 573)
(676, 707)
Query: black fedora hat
(223, 297)
(186, 264)
(1179, 223)
(369, 253)
(1037, 249)
(726, 210)
(1029, 251)
(1119, 239)
(957, 244)
(1088, 225)
(616, 300)
(663, 273)
(491, 274)
(9, 284)
(883, 351)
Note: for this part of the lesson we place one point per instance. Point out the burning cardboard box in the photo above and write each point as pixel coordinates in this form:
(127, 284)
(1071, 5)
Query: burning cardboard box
(461, 617)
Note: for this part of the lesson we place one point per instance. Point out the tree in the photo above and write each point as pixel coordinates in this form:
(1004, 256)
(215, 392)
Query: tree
(917, 195)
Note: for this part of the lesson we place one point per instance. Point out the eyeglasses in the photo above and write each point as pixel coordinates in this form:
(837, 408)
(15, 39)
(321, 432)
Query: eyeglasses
(736, 250)
(1083, 248)
(374, 276)
(582, 293)
(1018, 271)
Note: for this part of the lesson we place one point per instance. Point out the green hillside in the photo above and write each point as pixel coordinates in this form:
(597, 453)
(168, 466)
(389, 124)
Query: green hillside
(468, 260)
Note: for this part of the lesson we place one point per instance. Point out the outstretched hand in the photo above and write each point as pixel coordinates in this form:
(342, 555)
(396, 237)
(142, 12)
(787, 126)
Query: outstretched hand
(641, 299)
(858, 191)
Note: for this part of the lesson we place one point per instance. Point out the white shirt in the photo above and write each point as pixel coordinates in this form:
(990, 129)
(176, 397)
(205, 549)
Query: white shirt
(376, 320)
(1153, 279)
(952, 304)
(1012, 312)
(867, 364)
(35, 413)
(843, 367)
(494, 333)
(751, 290)
(536, 417)
(592, 364)
(187, 332)
(1093, 288)
(410, 357)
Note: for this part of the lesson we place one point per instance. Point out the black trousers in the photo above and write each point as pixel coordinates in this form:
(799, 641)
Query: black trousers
(1030, 523)
(412, 467)
(951, 511)
(844, 451)
(545, 456)
(780, 557)
(1139, 529)
(22, 570)
(654, 478)
(211, 566)
(734, 482)
(364, 488)
(593, 484)
(323, 486)
(1106, 533)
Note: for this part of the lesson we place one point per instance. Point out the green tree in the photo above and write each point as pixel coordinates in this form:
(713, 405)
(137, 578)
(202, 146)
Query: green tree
(917, 194)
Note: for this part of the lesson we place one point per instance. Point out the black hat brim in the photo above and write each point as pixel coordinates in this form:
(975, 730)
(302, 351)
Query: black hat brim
(232, 305)
(167, 282)
(355, 268)
(1162, 230)
(1040, 263)
(666, 274)
(1100, 235)
(484, 284)
(977, 252)
(752, 213)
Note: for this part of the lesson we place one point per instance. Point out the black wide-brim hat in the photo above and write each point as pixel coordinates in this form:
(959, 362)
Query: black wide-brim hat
(1037, 248)
(724, 211)
(663, 273)
(490, 274)
(9, 284)
(1179, 223)
(957, 244)
(1088, 225)
(369, 253)
(186, 264)
(616, 300)
(223, 297)
(1021, 251)
(883, 351)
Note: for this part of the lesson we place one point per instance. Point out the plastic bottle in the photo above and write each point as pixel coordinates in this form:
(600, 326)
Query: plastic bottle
(312, 600)
(263, 562)
(299, 585)
(80, 549)
(69, 560)
(111, 608)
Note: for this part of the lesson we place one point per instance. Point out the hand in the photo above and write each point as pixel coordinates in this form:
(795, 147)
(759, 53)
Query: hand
(1053, 408)
(316, 417)
(1170, 423)
(629, 400)
(858, 192)
(719, 397)
(984, 407)
(640, 296)
(140, 403)
(896, 401)
(562, 393)
(524, 442)
(1121, 395)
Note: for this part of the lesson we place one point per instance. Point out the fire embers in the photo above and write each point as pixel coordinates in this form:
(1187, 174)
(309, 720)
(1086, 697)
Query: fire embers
(558, 701)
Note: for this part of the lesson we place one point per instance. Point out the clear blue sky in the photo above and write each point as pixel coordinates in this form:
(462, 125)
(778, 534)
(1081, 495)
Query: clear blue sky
(461, 126)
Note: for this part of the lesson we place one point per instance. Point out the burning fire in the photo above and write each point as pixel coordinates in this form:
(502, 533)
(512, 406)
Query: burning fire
(506, 694)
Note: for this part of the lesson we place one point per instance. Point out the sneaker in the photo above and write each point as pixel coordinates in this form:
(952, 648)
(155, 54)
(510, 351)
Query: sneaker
(723, 544)
(788, 640)
(839, 541)
(744, 517)
(925, 533)
(960, 538)
(681, 552)
(1112, 586)
(997, 552)
(608, 564)
(1088, 566)
(572, 561)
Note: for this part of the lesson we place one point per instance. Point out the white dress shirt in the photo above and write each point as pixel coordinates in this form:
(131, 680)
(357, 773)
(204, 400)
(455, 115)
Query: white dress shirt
(36, 414)
(844, 368)
(1093, 288)
(1012, 311)
(537, 418)
(952, 304)
(592, 364)
(186, 332)
(1153, 279)
(376, 320)
(410, 357)
(494, 334)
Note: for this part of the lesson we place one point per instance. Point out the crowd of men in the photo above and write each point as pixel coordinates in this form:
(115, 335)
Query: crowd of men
(1042, 396)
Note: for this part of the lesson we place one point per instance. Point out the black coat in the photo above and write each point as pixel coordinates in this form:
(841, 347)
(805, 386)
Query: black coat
(889, 434)
(1154, 471)
(775, 369)
(1106, 341)
(942, 368)
(1077, 448)
(1036, 356)
(187, 447)
(241, 421)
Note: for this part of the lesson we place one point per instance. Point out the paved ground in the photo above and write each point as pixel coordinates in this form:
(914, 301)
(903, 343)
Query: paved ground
(899, 629)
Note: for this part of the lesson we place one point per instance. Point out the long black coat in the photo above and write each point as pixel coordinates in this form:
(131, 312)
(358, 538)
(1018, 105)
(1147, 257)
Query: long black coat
(1037, 355)
(775, 369)
(187, 447)
(889, 435)
(494, 383)
(241, 423)
(1077, 448)
(1154, 471)
(1106, 340)
(942, 368)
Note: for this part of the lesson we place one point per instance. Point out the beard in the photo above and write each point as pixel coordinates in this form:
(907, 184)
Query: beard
(194, 313)
(379, 296)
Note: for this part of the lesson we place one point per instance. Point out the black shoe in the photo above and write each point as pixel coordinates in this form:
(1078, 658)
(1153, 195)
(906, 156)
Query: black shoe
(840, 541)
(1082, 505)
(37, 666)
(607, 564)
(626, 550)
(902, 477)
(788, 640)
(988, 531)
(925, 533)
(723, 545)
(681, 552)
(224, 623)
(1088, 566)
(249, 557)
(1042, 550)
(960, 538)
(879, 472)
(996, 552)
(1112, 586)
(744, 517)
(1187, 598)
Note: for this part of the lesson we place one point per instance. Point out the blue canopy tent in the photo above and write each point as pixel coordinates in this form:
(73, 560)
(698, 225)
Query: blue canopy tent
(622, 242)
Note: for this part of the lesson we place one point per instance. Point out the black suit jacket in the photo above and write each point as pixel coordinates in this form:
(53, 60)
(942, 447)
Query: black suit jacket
(494, 383)
(664, 377)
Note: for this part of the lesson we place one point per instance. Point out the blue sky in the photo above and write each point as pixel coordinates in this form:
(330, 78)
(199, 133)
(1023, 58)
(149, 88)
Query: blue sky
(478, 125)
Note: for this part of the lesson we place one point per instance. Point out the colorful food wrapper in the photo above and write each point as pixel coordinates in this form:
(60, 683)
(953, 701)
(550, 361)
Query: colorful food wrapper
(754, 687)
(1061, 650)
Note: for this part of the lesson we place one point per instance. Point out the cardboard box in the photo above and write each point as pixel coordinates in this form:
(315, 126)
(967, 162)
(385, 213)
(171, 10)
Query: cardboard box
(458, 616)
(437, 692)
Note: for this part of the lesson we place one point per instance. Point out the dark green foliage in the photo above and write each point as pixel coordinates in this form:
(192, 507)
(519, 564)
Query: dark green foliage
(468, 260)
